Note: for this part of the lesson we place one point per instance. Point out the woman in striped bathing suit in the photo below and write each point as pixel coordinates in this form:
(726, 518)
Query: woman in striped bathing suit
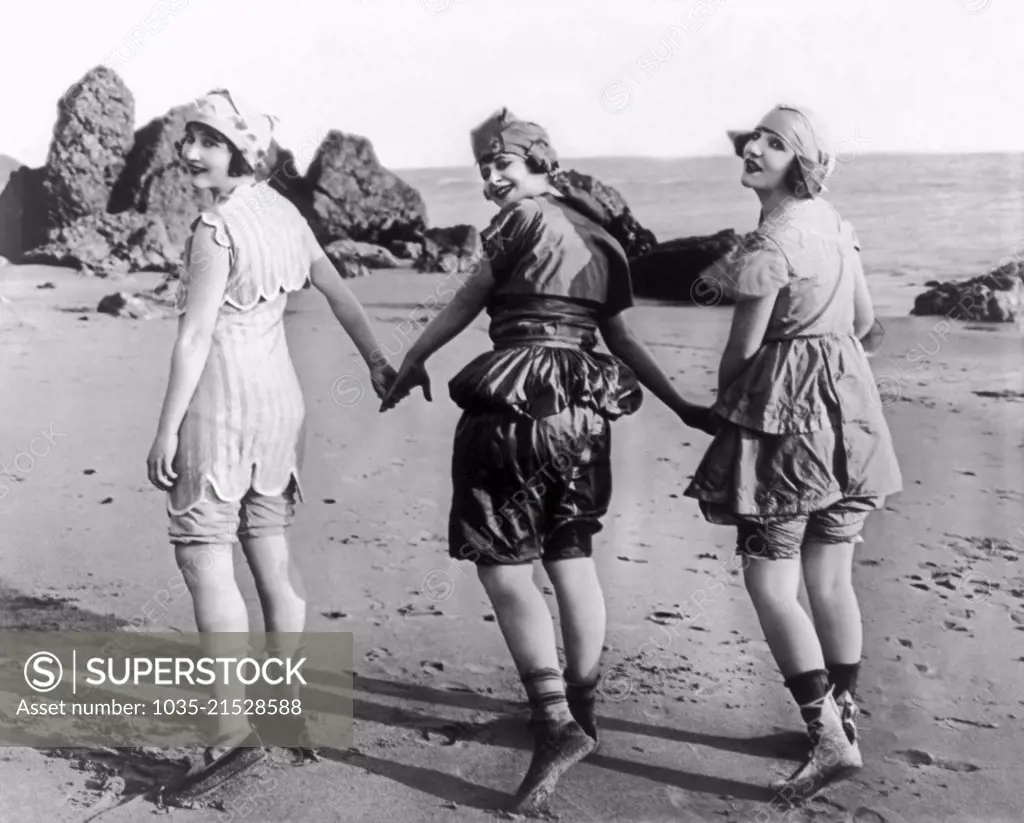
(230, 438)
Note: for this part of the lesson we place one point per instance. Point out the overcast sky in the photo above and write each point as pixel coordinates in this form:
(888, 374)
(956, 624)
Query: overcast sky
(606, 77)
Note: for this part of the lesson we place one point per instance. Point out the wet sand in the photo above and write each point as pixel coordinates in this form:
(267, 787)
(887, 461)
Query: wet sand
(695, 731)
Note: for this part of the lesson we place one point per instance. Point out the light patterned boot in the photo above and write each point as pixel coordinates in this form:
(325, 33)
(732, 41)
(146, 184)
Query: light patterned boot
(848, 713)
(834, 756)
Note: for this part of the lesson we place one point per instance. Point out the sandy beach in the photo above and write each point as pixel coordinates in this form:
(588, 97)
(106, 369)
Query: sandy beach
(695, 731)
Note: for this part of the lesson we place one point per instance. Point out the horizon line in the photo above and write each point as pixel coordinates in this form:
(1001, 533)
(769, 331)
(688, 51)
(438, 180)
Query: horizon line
(673, 157)
(653, 157)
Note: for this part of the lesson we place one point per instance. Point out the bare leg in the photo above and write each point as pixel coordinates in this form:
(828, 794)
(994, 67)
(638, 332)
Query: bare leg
(773, 586)
(581, 608)
(282, 596)
(828, 575)
(529, 631)
(523, 616)
(222, 620)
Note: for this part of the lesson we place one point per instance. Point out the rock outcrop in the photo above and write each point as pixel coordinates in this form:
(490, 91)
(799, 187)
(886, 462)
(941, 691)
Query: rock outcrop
(620, 222)
(106, 244)
(448, 249)
(371, 256)
(23, 220)
(355, 198)
(154, 181)
(137, 306)
(672, 271)
(996, 297)
(93, 135)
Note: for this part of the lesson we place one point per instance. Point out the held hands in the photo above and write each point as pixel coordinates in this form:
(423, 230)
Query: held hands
(699, 417)
(160, 461)
(382, 375)
(413, 373)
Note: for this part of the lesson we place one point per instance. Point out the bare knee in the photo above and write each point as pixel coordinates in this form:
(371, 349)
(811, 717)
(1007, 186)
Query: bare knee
(506, 582)
(205, 566)
(573, 575)
(773, 585)
(828, 571)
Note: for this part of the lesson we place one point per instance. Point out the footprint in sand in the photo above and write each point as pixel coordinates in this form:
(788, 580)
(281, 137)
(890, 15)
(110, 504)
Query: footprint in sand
(866, 815)
(959, 723)
(918, 758)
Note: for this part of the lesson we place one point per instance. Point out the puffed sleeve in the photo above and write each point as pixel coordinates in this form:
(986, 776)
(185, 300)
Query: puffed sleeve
(314, 251)
(195, 259)
(757, 268)
(513, 230)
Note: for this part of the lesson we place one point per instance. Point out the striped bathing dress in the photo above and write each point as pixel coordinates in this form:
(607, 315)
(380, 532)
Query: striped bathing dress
(244, 428)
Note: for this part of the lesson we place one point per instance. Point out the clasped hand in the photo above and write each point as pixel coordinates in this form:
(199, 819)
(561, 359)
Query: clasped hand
(412, 373)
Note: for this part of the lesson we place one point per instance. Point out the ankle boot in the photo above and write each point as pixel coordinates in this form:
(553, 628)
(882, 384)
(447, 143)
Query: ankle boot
(834, 757)
(848, 713)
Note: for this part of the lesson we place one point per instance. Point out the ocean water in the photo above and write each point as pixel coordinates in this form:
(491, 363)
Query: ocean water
(919, 217)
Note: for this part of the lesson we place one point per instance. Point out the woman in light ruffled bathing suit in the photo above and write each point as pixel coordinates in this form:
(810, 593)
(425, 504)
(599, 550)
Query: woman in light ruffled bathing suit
(803, 453)
(531, 468)
(230, 437)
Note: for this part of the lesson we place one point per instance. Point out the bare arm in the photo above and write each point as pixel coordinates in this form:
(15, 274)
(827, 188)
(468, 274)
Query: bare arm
(208, 271)
(623, 343)
(863, 310)
(749, 323)
(346, 308)
(453, 319)
(467, 303)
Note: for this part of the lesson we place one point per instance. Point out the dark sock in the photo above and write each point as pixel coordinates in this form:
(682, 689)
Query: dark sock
(844, 677)
(546, 693)
(809, 690)
(582, 691)
(581, 696)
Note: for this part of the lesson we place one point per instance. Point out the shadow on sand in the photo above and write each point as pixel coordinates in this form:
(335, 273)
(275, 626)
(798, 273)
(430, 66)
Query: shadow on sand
(144, 769)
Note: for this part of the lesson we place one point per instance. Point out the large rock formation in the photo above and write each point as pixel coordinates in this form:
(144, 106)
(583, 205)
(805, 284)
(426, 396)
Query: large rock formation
(448, 249)
(155, 182)
(996, 297)
(672, 271)
(355, 198)
(111, 199)
(23, 218)
(620, 222)
(93, 134)
(371, 256)
(110, 243)
(283, 175)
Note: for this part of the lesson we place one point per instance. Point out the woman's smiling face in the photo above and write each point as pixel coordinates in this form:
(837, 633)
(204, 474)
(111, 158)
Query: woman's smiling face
(207, 156)
(507, 179)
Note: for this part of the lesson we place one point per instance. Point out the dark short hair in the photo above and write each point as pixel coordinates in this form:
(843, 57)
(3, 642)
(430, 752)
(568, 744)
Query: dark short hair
(238, 166)
(541, 165)
(534, 164)
(794, 180)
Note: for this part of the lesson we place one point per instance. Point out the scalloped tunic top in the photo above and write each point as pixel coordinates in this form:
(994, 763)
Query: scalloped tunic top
(244, 428)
